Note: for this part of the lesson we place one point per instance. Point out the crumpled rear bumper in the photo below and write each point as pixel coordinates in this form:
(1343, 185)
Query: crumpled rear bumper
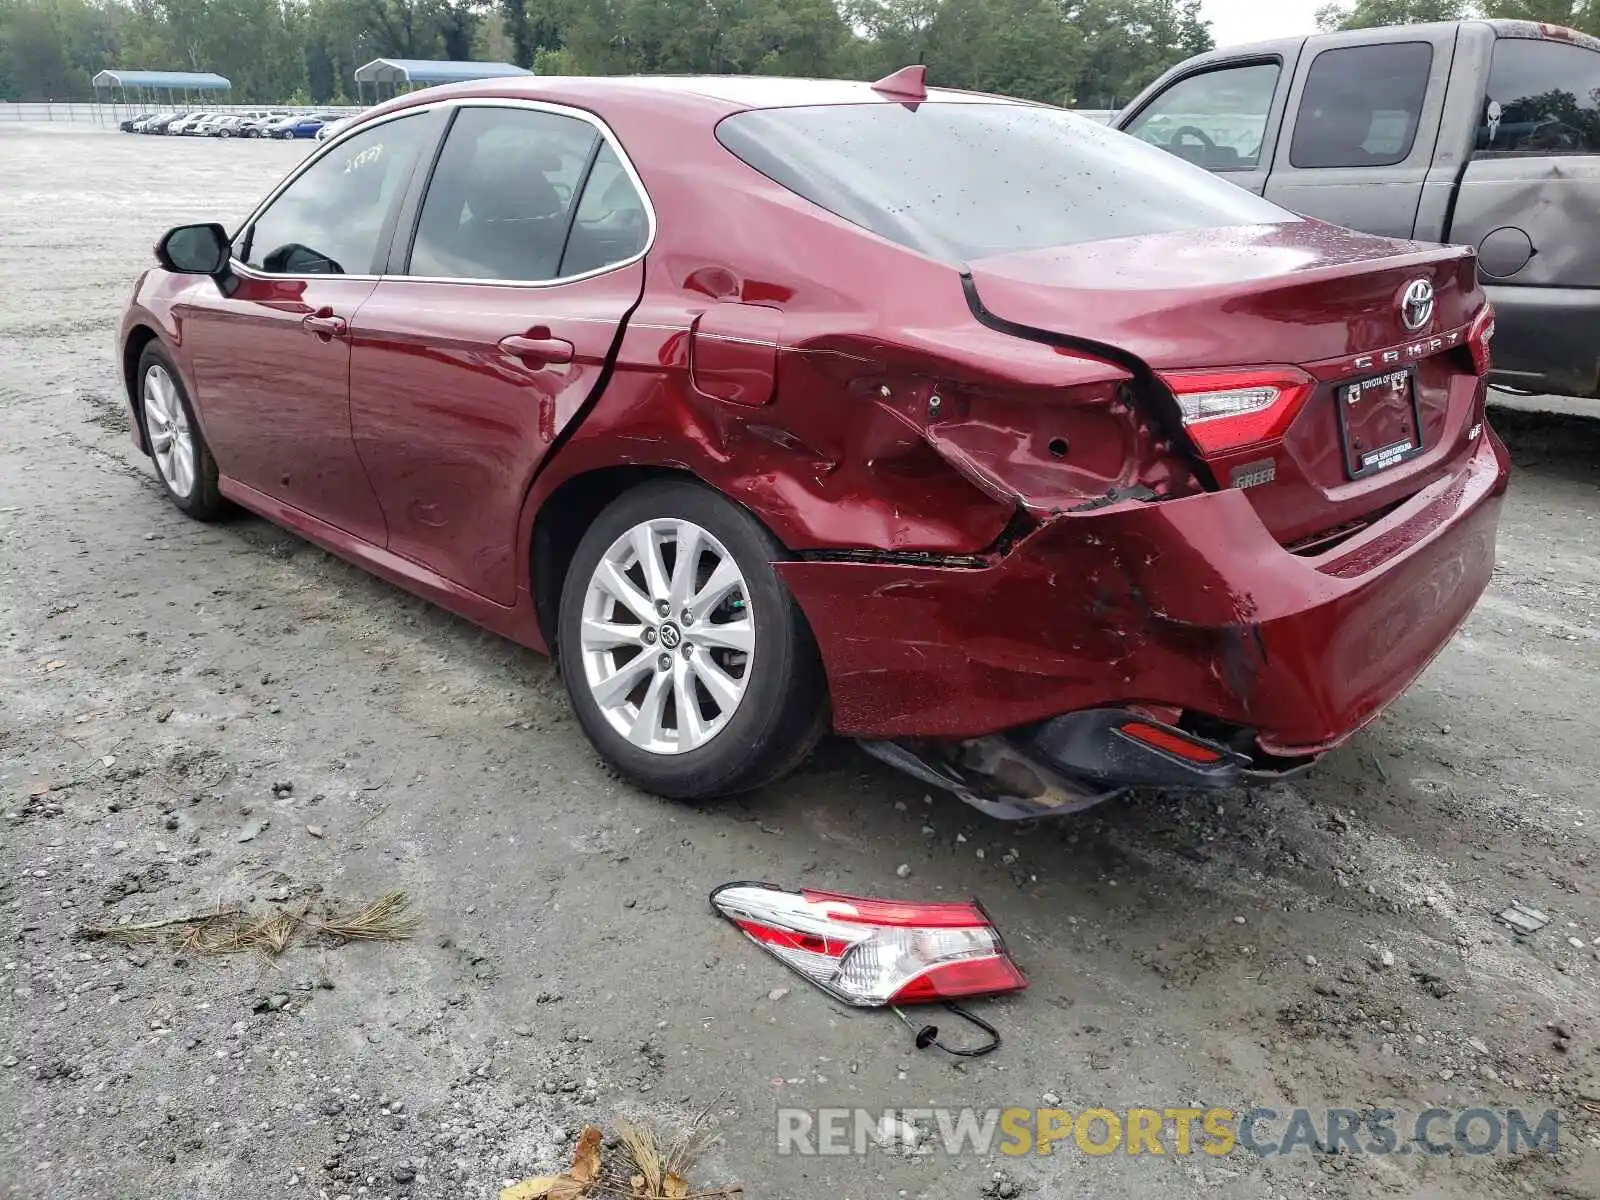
(1187, 604)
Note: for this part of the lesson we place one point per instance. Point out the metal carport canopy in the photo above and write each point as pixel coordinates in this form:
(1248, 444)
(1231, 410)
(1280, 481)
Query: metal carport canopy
(422, 70)
(196, 81)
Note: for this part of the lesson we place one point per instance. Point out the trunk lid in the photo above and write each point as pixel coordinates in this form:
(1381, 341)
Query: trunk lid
(1326, 301)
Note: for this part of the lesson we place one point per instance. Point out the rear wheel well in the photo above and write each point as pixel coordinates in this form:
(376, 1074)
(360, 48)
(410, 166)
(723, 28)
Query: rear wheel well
(140, 337)
(563, 520)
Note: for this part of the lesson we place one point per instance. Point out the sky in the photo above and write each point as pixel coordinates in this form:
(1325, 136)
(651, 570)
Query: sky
(1234, 21)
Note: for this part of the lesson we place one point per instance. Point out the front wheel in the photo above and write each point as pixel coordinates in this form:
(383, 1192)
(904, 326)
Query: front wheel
(182, 458)
(689, 665)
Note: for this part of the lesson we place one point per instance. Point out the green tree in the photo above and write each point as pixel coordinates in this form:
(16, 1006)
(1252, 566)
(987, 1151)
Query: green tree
(1574, 14)
(1367, 14)
(783, 37)
(1012, 47)
(33, 58)
(1127, 43)
(50, 48)
(1086, 52)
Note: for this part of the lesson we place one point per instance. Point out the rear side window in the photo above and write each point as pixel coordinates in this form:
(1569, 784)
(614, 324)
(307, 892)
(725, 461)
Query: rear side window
(1361, 106)
(499, 202)
(611, 225)
(1215, 120)
(1544, 98)
(961, 181)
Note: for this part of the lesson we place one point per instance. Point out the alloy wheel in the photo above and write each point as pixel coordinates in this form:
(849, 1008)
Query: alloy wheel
(167, 423)
(668, 636)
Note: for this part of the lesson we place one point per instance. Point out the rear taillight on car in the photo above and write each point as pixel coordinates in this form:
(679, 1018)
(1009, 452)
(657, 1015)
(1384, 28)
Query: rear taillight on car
(1227, 410)
(1479, 335)
(870, 953)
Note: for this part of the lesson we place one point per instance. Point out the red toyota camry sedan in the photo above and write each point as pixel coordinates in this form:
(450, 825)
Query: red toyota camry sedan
(1036, 459)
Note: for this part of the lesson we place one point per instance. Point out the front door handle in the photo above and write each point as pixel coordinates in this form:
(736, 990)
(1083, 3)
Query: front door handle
(537, 348)
(325, 324)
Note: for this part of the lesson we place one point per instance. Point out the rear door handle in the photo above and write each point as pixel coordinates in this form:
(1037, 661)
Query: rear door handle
(540, 350)
(324, 324)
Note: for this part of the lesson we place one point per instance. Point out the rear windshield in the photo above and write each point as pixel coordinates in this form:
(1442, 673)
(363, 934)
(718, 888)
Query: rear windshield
(962, 181)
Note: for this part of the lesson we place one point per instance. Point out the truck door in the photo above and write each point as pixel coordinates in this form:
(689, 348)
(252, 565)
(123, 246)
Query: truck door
(1361, 126)
(1529, 200)
(1222, 116)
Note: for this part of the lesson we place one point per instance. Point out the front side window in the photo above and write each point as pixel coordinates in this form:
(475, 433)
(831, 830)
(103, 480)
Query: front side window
(1361, 106)
(499, 204)
(330, 219)
(959, 181)
(1216, 120)
(1544, 98)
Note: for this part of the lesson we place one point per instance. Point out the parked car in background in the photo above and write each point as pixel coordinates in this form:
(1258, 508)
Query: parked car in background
(1484, 133)
(253, 125)
(1041, 461)
(159, 122)
(186, 124)
(332, 127)
(299, 125)
(231, 124)
(206, 123)
(131, 124)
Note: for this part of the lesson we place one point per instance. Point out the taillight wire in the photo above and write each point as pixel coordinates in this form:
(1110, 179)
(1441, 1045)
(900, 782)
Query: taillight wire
(928, 1035)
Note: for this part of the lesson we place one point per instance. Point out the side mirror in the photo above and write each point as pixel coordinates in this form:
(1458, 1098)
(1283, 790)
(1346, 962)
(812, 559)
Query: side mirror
(194, 250)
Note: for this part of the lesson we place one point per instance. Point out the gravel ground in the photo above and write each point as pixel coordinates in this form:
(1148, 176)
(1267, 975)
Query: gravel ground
(182, 703)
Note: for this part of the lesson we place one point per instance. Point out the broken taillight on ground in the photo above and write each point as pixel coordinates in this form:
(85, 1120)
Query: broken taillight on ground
(869, 952)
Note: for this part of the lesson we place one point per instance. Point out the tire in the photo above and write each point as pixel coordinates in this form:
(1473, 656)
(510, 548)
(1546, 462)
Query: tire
(729, 746)
(224, 133)
(178, 449)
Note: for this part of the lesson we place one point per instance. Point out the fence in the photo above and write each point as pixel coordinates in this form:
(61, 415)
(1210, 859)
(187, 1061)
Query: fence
(51, 110)
(87, 112)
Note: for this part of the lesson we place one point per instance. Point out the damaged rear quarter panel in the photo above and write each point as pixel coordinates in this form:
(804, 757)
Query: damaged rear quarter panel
(850, 452)
(823, 469)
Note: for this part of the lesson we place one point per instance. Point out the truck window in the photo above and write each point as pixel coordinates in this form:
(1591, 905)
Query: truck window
(1216, 119)
(1361, 105)
(1543, 98)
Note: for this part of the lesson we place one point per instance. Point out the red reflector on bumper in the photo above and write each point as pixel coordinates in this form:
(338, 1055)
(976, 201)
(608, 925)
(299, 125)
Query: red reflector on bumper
(1171, 741)
(869, 952)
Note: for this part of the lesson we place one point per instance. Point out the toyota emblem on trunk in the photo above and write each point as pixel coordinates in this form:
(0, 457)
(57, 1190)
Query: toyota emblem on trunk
(1416, 305)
